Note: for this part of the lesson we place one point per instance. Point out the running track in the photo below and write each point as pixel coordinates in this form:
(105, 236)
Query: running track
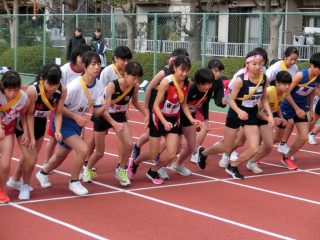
(279, 204)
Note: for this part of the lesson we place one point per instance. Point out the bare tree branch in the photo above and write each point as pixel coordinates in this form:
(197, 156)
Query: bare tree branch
(6, 7)
(260, 8)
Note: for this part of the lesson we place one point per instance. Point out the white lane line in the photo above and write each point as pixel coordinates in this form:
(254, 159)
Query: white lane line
(227, 180)
(64, 198)
(259, 230)
(44, 216)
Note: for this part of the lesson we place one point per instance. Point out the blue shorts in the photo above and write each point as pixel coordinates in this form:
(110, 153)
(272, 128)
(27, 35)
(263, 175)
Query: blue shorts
(69, 128)
(289, 113)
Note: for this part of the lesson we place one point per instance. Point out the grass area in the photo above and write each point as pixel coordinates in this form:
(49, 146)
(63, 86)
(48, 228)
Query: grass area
(27, 78)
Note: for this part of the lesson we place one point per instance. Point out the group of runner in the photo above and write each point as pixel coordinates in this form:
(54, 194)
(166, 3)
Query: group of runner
(264, 106)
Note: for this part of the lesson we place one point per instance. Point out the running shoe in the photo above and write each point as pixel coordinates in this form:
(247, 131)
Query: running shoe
(24, 192)
(88, 175)
(312, 139)
(43, 179)
(182, 170)
(234, 156)
(194, 157)
(16, 184)
(135, 151)
(77, 188)
(289, 164)
(224, 162)
(154, 177)
(132, 169)
(3, 197)
(163, 173)
(122, 176)
(234, 172)
(201, 158)
(253, 166)
(283, 148)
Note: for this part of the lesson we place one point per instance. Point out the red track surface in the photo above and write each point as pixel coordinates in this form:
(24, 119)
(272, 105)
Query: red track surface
(208, 205)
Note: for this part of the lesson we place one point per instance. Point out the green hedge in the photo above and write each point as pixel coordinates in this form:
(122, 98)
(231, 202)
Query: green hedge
(29, 59)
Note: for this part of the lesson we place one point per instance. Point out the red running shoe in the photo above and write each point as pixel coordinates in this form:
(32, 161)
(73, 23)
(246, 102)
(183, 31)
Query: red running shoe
(3, 197)
(289, 164)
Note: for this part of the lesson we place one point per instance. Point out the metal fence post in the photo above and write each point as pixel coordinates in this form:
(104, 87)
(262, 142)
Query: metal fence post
(260, 30)
(77, 20)
(155, 44)
(44, 41)
(113, 29)
(203, 40)
(16, 17)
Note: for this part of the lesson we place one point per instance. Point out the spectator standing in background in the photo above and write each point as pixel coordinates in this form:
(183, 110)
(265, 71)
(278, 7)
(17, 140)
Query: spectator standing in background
(75, 41)
(99, 45)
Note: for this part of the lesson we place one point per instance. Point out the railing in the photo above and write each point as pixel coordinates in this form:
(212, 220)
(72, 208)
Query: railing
(218, 49)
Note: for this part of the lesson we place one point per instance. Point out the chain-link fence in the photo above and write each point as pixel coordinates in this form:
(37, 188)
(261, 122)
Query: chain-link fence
(28, 43)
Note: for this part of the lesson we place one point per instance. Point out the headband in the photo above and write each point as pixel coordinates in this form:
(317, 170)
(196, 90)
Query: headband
(250, 59)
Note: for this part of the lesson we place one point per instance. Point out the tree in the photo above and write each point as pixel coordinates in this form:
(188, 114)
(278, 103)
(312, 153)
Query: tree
(129, 8)
(274, 23)
(12, 19)
(194, 33)
(71, 6)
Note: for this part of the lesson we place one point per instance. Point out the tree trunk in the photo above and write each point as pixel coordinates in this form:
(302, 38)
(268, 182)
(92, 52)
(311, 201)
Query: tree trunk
(12, 21)
(194, 46)
(274, 22)
(130, 32)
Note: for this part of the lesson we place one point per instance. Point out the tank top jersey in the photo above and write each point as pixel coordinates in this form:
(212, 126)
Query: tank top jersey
(122, 105)
(41, 110)
(247, 87)
(9, 117)
(170, 106)
(276, 67)
(300, 93)
(273, 100)
(107, 75)
(199, 100)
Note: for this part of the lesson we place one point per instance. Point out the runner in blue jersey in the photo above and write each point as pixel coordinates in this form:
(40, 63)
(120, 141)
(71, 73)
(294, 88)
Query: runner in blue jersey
(294, 107)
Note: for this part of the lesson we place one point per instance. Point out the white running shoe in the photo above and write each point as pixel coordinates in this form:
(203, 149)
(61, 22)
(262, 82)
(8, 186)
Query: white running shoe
(223, 163)
(312, 139)
(194, 157)
(283, 148)
(24, 192)
(43, 179)
(234, 156)
(182, 170)
(16, 184)
(77, 188)
(163, 173)
(253, 166)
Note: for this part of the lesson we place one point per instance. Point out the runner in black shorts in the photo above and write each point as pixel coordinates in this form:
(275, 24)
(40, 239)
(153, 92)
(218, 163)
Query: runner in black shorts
(166, 118)
(277, 92)
(248, 89)
(118, 95)
(199, 96)
(45, 94)
(150, 96)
